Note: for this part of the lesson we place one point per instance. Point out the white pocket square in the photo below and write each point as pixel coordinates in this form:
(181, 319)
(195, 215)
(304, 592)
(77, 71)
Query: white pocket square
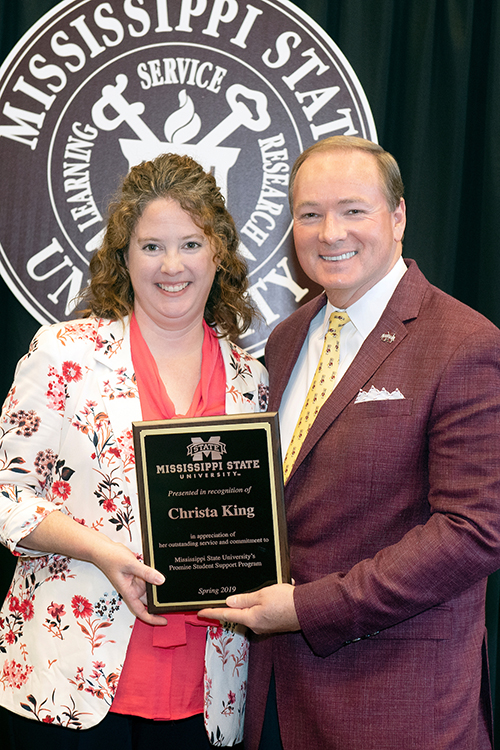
(375, 395)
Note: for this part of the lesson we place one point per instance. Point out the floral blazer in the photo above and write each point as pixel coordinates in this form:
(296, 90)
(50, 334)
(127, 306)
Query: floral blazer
(66, 443)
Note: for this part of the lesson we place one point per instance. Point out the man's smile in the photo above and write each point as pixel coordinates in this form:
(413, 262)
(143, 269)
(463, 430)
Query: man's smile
(344, 256)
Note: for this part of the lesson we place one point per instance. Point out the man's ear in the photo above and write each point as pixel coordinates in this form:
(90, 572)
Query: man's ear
(399, 220)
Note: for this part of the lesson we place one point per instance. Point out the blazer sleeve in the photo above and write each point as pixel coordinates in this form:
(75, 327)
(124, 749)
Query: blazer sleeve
(459, 544)
(31, 424)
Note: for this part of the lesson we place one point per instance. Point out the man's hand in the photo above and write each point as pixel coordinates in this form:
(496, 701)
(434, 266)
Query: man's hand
(269, 610)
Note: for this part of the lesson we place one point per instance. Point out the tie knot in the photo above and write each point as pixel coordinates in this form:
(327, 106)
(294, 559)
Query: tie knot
(336, 321)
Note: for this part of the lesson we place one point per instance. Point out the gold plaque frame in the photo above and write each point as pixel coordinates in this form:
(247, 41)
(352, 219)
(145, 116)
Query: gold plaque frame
(212, 507)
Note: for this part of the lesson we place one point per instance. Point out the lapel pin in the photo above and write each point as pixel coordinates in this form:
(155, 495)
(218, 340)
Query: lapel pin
(388, 337)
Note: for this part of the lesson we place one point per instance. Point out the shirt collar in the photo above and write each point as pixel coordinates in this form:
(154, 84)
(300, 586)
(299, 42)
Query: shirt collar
(367, 311)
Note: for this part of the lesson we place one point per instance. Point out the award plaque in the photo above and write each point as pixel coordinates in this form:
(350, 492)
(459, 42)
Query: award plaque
(212, 510)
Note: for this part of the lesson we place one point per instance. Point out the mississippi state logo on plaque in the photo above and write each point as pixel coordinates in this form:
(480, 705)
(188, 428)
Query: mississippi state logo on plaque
(96, 87)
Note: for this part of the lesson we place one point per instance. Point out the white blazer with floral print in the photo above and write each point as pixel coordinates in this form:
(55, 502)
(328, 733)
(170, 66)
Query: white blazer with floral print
(66, 443)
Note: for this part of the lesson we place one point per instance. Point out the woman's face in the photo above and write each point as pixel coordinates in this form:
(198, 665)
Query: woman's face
(171, 265)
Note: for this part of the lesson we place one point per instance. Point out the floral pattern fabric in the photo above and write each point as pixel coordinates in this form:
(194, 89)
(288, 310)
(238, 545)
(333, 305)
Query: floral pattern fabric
(226, 671)
(66, 444)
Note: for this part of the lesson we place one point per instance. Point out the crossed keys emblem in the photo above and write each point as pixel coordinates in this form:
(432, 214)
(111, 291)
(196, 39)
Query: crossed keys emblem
(181, 126)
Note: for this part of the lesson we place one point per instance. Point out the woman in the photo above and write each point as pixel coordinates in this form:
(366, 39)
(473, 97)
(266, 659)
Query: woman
(167, 289)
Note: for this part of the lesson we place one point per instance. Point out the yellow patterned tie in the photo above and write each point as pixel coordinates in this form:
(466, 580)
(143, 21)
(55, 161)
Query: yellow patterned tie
(321, 387)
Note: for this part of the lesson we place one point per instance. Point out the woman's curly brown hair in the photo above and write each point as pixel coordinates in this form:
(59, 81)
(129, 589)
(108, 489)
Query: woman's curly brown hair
(110, 293)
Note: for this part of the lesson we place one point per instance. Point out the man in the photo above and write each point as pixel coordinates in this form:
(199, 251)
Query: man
(392, 490)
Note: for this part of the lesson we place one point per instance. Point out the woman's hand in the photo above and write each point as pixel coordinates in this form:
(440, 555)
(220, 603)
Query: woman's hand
(61, 535)
(128, 576)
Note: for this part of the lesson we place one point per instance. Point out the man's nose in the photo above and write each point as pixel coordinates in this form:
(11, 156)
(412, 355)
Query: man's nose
(332, 229)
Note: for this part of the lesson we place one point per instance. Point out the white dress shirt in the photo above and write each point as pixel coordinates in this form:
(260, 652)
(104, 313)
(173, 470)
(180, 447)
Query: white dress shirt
(364, 316)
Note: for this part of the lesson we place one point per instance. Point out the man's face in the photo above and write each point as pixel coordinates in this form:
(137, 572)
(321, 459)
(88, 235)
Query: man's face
(346, 238)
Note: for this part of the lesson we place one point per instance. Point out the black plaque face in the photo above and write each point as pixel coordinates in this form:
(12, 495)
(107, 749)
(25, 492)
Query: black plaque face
(212, 513)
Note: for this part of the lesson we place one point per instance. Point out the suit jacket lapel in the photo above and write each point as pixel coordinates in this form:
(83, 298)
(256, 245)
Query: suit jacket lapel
(115, 375)
(402, 307)
(301, 321)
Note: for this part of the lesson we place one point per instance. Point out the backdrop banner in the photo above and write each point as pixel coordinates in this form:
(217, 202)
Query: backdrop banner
(94, 88)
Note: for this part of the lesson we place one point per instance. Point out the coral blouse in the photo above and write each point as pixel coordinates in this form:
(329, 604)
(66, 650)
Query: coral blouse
(162, 677)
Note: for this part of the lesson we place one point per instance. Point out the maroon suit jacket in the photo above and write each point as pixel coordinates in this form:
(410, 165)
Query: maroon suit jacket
(393, 512)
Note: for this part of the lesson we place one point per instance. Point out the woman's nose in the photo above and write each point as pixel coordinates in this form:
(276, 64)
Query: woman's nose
(171, 263)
